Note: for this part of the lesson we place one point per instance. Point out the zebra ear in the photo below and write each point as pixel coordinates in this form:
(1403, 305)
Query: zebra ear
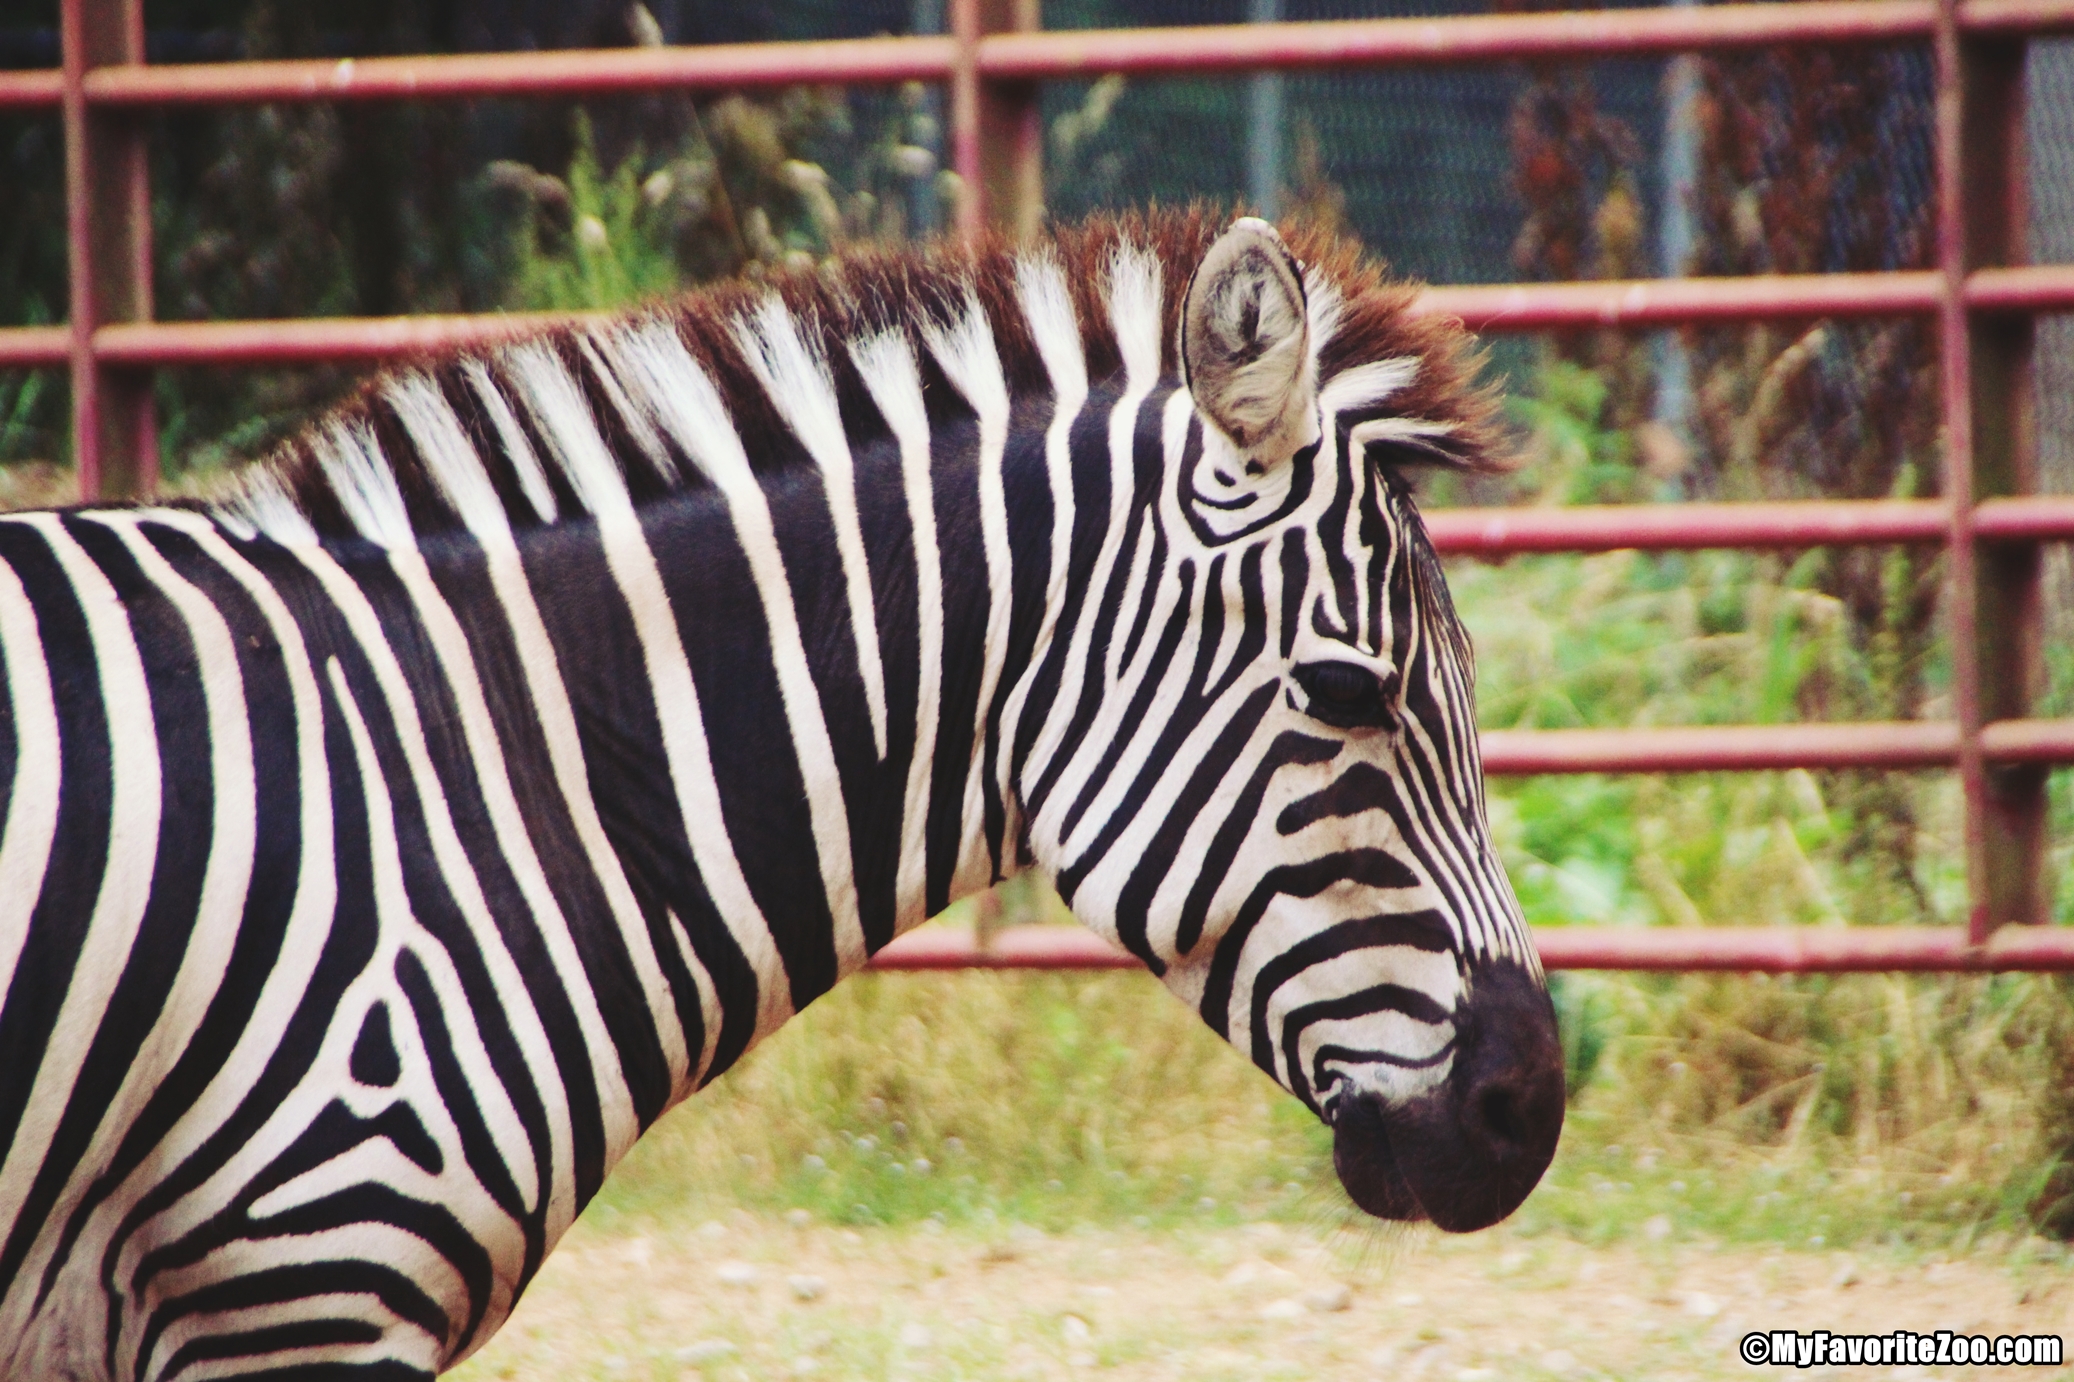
(1246, 343)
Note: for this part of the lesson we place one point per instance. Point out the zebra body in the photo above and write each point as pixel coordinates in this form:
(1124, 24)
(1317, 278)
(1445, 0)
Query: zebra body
(387, 846)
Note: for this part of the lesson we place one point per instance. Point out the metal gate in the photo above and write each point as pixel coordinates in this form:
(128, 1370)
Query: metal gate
(1982, 295)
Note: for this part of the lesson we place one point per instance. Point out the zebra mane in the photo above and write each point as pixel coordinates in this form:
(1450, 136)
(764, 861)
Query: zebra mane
(443, 443)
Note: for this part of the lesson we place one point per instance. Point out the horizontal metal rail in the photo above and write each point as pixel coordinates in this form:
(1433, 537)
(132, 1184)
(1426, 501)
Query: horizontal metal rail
(1195, 50)
(1502, 307)
(1890, 745)
(1789, 524)
(1749, 950)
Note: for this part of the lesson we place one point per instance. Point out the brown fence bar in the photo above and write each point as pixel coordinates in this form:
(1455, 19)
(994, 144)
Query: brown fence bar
(1483, 307)
(108, 210)
(1981, 294)
(32, 90)
(1033, 56)
(567, 72)
(1672, 527)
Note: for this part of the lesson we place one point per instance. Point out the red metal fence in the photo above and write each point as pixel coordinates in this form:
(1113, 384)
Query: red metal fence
(1981, 293)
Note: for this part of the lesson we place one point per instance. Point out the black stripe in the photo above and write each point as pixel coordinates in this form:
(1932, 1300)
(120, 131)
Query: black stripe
(458, 571)
(1155, 581)
(1296, 568)
(280, 1285)
(246, 1343)
(1090, 484)
(180, 722)
(1362, 787)
(606, 677)
(1380, 998)
(1026, 495)
(1303, 471)
(1134, 902)
(1291, 747)
(1339, 572)
(763, 792)
(607, 967)
(348, 947)
(1196, 701)
(56, 939)
(1372, 867)
(1150, 677)
(1091, 452)
(1422, 930)
(877, 814)
(802, 516)
(10, 739)
(954, 477)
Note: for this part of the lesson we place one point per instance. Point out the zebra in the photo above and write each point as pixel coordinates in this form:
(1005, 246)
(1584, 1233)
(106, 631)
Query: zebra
(392, 839)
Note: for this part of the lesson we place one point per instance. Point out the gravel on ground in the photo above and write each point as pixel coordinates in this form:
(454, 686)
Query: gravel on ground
(749, 1299)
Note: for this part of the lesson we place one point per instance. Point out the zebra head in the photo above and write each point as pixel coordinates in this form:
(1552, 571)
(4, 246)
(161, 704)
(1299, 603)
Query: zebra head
(1274, 795)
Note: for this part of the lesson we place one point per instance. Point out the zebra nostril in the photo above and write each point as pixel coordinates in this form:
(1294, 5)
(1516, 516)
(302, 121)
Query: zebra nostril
(1503, 1119)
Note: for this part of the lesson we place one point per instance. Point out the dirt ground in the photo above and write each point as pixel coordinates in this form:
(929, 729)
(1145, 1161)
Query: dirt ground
(758, 1299)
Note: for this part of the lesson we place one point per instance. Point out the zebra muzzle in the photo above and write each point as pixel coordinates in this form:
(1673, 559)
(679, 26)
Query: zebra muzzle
(1469, 1152)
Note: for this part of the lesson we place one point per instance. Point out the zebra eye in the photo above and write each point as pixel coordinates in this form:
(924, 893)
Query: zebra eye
(1348, 695)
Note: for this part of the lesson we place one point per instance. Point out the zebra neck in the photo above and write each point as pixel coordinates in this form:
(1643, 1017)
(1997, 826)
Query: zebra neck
(795, 737)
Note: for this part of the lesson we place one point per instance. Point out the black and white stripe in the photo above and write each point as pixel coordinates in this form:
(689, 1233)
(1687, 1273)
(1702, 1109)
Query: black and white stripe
(388, 845)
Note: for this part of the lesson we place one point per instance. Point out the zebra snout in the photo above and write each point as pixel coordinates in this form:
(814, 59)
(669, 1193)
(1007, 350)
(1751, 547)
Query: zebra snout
(1467, 1153)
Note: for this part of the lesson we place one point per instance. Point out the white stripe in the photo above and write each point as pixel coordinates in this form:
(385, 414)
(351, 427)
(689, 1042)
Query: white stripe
(1048, 306)
(402, 1341)
(709, 1001)
(456, 1187)
(1322, 302)
(887, 365)
(447, 454)
(550, 394)
(580, 450)
(515, 844)
(965, 349)
(438, 434)
(660, 372)
(263, 505)
(1134, 292)
(1135, 312)
(225, 880)
(32, 809)
(799, 386)
(1134, 594)
(637, 423)
(309, 924)
(360, 477)
(1047, 303)
(457, 872)
(135, 785)
(517, 450)
(1364, 386)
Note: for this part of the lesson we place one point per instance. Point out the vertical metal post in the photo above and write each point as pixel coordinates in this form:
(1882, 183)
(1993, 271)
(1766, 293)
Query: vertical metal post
(1678, 232)
(1955, 389)
(2009, 627)
(1264, 125)
(108, 211)
(1989, 450)
(1011, 132)
(997, 127)
(965, 140)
